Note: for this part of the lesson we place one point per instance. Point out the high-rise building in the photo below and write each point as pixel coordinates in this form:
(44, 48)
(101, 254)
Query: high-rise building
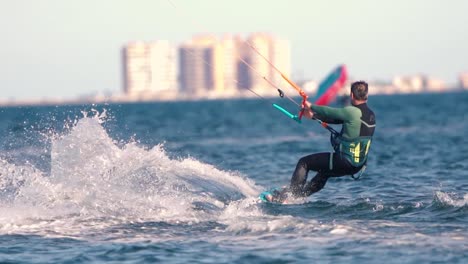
(260, 50)
(136, 67)
(464, 80)
(201, 66)
(409, 84)
(206, 65)
(261, 42)
(243, 70)
(195, 76)
(163, 66)
(149, 68)
(281, 58)
(230, 55)
(435, 85)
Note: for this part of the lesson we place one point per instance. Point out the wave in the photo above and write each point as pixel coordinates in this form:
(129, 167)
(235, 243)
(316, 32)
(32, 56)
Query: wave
(451, 200)
(95, 182)
(91, 176)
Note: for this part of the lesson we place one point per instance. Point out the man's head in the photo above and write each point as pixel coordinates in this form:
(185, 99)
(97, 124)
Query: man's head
(359, 90)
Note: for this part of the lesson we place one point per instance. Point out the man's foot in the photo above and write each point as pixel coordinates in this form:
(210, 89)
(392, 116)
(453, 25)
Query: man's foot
(277, 196)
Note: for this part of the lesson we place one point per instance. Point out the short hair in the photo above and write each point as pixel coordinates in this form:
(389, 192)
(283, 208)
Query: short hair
(360, 90)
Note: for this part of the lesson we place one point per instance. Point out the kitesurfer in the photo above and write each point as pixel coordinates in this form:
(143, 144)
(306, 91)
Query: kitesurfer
(351, 145)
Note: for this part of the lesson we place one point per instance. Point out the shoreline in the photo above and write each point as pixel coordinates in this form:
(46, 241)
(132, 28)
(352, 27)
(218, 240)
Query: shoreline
(174, 98)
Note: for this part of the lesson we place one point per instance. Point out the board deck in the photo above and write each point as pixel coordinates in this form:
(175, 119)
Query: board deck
(267, 195)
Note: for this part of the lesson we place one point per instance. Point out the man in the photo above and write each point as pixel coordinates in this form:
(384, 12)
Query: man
(351, 145)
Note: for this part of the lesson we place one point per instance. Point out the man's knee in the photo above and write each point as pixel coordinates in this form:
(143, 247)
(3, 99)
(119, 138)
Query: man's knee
(316, 184)
(302, 162)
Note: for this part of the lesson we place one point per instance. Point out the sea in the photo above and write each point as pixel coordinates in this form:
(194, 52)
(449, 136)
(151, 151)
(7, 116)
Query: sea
(178, 182)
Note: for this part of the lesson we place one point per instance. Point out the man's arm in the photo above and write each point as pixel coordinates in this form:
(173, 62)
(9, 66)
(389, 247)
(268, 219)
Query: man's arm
(327, 119)
(329, 114)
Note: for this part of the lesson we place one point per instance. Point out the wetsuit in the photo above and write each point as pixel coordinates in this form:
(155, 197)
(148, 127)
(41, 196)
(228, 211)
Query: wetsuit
(351, 147)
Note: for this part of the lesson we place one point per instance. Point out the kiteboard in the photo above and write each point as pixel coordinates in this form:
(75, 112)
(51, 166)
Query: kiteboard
(274, 195)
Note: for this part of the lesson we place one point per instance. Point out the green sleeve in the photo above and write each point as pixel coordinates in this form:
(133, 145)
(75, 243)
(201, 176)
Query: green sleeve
(350, 115)
(344, 114)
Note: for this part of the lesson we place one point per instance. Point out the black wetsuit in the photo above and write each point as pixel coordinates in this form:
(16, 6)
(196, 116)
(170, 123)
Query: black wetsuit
(358, 128)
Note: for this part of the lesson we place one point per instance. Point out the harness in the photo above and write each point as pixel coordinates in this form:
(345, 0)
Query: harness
(354, 150)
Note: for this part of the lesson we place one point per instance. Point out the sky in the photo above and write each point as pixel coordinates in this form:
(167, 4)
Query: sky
(69, 48)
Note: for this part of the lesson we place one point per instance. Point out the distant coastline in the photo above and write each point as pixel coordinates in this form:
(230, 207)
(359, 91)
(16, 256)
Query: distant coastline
(174, 97)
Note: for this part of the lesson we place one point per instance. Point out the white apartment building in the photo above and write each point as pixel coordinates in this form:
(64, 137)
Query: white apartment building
(230, 54)
(205, 66)
(464, 80)
(266, 49)
(261, 68)
(195, 74)
(136, 68)
(149, 68)
(163, 66)
(281, 58)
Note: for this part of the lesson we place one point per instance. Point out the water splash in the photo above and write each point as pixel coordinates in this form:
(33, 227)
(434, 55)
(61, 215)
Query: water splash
(92, 177)
(451, 199)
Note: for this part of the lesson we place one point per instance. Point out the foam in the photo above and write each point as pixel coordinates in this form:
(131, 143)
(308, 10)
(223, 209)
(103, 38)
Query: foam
(92, 177)
(451, 200)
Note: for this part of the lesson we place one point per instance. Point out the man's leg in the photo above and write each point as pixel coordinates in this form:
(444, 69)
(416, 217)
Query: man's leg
(316, 184)
(337, 167)
(319, 162)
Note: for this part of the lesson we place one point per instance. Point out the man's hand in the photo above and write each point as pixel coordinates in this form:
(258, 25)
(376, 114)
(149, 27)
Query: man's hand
(308, 113)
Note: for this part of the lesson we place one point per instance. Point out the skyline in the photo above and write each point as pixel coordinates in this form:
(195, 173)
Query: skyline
(204, 63)
(69, 49)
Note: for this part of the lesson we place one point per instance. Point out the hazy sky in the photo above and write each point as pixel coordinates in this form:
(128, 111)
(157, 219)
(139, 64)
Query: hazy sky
(65, 48)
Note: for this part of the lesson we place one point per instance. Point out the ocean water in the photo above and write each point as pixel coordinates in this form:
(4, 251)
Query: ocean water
(177, 182)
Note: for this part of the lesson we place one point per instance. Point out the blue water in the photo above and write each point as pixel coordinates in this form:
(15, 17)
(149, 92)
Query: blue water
(177, 183)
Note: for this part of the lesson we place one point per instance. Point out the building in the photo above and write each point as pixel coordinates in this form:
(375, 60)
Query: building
(435, 85)
(259, 51)
(260, 67)
(205, 66)
(231, 53)
(280, 57)
(463, 78)
(149, 69)
(201, 66)
(163, 67)
(409, 84)
(136, 68)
